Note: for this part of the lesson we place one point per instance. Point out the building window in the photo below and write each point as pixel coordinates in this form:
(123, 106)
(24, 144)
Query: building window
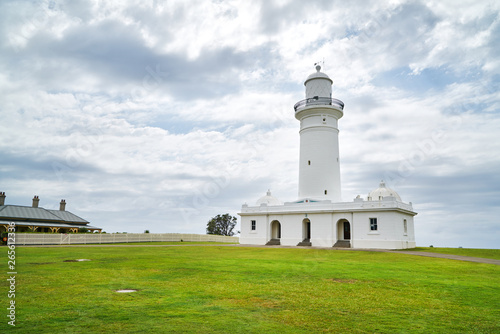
(254, 225)
(405, 226)
(373, 224)
(325, 192)
(309, 162)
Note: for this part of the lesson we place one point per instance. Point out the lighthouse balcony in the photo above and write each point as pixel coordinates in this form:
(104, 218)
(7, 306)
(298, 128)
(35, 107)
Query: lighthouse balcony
(319, 101)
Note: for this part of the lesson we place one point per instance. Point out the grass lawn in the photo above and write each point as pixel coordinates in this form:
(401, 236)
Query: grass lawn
(485, 253)
(217, 289)
(161, 243)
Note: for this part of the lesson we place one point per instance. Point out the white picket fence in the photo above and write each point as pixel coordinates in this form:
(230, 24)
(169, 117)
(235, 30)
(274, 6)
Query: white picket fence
(106, 238)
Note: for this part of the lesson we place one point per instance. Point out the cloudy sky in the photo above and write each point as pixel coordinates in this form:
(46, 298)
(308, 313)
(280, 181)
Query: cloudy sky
(161, 114)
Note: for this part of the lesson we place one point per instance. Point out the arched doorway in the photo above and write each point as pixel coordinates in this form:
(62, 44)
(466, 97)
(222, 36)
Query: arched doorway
(275, 229)
(306, 229)
(306, 233)
(275, 233)
(343, 234)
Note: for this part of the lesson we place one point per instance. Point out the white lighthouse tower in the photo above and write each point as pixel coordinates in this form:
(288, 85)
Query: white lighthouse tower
(319, 167)
(319, 217)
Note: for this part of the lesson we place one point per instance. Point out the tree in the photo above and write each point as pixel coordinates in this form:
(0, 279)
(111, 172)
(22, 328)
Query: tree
(222, 225)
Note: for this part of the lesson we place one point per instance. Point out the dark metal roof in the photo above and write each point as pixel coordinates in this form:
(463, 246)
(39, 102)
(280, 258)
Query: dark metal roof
(27, 213)
(68, 216)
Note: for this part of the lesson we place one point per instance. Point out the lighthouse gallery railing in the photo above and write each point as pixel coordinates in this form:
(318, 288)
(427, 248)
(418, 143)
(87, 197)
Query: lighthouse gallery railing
(315, 101)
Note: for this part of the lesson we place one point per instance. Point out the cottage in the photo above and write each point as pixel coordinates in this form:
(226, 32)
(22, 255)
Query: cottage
(37, 219)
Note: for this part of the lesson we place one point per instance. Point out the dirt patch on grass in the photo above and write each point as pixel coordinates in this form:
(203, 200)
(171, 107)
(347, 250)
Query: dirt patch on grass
(77, 260)
(343, 280)
(264, 302)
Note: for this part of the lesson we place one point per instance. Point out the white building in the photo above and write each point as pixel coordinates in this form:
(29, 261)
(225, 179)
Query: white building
(319, 217)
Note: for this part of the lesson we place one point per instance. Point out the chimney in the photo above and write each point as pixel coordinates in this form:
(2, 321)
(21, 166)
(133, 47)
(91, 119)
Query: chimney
(62, 205)
(2, 198)
(35, 201)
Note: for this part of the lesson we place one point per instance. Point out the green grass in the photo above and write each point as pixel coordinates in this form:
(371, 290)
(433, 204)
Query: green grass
(248, 290)
(474, 252)
(180, 243)
(155, 243)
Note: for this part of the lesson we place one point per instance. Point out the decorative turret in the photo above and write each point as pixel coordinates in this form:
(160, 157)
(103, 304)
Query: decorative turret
(319, 168)
(381, 192)
(268, 199)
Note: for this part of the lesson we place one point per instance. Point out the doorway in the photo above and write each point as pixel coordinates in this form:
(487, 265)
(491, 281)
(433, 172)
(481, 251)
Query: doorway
(343, 234)
(306, 229)
(275, 230)
(343, 229)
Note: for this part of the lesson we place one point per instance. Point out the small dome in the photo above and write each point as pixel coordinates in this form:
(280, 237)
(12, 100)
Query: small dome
(318, 75)
(268, 199)
(381, 192)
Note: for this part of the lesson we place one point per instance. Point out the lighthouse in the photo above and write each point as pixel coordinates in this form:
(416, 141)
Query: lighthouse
(319, 217)
(319, 166)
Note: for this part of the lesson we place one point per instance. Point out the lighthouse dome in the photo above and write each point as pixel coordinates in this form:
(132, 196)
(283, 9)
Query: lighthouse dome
(381, 192)
(268, 199)
(318, 75)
